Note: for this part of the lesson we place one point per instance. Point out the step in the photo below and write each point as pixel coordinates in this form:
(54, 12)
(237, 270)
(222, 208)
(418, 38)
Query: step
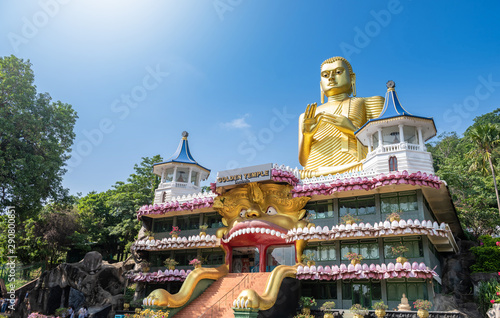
(223, 292)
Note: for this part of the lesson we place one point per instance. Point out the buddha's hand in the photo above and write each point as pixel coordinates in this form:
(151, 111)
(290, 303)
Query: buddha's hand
(310, 122)
(342, 123)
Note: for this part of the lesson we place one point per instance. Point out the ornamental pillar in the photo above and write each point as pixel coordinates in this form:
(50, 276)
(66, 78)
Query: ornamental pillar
(380, 141)
(420, 139)
(401, 133)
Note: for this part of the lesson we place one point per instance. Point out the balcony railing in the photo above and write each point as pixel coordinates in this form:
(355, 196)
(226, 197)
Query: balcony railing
(400, 146)
(183, 185)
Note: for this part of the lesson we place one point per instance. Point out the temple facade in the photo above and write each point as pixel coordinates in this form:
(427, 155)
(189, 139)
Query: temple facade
(354, 237)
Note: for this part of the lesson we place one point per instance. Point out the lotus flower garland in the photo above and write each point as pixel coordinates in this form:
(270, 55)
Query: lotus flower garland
(317, 187)
(365, 271)
(340, 185)
(175, 243)
(160, 276)
(385, 228)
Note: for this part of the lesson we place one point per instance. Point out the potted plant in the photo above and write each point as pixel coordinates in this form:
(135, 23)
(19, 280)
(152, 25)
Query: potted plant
(394, 216)
(150, 234)
(203, 228)
(423, 307)
(175, 231)
(399, 251)
(380, 309)
(358, 311)
(128, 297)
(308, 258)
(170, 263)
(350, 219)
(327, 309)
(195, 262)
(355, 258)
(307, 303)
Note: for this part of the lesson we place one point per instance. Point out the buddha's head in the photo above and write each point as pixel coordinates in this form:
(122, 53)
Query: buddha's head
(337, 77)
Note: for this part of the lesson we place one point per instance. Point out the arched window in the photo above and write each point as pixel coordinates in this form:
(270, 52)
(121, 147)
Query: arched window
(393, 163)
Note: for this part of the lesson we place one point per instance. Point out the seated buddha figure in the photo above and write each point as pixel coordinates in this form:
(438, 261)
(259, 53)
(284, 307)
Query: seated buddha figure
(327, 144)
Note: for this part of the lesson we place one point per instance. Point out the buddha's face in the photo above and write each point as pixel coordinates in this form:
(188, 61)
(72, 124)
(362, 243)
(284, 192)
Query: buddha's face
(335, 78)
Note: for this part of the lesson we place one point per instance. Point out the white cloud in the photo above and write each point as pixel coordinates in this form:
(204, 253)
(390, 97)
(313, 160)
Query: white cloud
(238, 123)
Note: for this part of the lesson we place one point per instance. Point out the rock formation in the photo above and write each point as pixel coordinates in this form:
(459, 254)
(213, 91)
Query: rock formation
(90, 282)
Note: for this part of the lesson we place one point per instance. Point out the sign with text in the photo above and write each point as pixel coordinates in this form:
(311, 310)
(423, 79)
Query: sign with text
(244, 175)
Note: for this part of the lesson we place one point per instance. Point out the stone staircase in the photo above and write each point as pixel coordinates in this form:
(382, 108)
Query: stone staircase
(217, 299)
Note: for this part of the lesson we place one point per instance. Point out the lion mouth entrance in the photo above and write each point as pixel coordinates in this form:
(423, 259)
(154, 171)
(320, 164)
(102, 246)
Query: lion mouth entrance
(255, 232)
(261, 237)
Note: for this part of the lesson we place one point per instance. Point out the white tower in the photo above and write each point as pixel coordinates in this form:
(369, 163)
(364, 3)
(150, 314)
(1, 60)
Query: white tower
(180, 175)
(395, 139)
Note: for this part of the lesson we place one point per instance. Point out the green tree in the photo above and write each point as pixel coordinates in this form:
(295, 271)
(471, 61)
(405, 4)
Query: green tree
(48, 236)
(472, 193)
(109, 218)
(35, 139)
(485, 138)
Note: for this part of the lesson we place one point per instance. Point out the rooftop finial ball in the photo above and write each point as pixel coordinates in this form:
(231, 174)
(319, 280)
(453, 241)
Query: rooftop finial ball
(391, 84)
(185, 134)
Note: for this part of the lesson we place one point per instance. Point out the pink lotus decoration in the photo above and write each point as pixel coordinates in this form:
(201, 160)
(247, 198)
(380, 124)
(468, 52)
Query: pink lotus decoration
(160, 276)
(377, 271)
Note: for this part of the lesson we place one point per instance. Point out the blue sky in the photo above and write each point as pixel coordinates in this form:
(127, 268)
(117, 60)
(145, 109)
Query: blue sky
(236, 74)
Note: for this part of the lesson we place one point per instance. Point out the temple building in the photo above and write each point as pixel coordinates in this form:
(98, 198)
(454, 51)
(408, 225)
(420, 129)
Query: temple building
(372, 223)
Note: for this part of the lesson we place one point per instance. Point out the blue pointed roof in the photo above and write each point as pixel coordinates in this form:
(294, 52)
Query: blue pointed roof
(392, 108)
(183, 154)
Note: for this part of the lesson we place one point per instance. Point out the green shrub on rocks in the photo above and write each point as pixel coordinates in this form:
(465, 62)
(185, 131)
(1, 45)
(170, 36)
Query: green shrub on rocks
(487, 255)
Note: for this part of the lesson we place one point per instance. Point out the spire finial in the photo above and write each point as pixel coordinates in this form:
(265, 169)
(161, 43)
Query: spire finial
(391, 84)
(185, 134)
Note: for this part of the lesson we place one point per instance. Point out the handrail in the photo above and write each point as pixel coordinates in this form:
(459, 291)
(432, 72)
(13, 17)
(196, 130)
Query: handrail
(224, 298)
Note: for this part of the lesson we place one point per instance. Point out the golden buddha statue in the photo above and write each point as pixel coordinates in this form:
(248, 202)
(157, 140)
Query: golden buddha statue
(327, 144)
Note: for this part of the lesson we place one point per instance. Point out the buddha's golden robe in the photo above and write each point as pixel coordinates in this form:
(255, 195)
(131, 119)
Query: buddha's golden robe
(333, 151)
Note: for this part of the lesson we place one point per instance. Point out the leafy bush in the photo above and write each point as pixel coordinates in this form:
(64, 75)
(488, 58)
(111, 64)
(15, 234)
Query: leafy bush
(487, 255)
(136, 303)
(327, 306)
(129, 295)
(61, 312)
(307, 302)
(487, 292)
(380, 306)
(357, 309)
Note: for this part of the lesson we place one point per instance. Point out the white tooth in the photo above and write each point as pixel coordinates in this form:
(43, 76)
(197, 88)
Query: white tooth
(272, 232)
(257, 230)
(252, 230)
(268, 231)
(247, 231)
(278, 234)
(238, 232)
(283, 236)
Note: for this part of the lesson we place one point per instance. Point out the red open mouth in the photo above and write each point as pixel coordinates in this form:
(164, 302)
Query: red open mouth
(255, 232)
